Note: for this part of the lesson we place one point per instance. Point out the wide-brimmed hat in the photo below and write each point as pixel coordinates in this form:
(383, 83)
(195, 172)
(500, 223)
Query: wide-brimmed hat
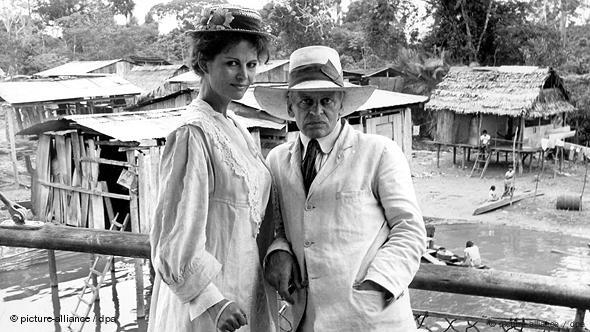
(313, 68)
(229, 18)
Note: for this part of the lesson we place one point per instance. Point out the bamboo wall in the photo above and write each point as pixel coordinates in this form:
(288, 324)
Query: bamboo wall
(67, 189)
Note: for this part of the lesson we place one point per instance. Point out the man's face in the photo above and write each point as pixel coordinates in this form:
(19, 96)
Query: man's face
(317, 112)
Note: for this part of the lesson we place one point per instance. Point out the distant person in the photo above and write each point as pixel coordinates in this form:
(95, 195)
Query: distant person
(509, 182)
(493, 194)
(471, 253)
(484, 141)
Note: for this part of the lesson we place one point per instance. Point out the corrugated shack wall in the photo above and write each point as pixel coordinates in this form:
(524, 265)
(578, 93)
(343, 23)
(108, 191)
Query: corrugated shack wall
(66, 187)
(397, 126)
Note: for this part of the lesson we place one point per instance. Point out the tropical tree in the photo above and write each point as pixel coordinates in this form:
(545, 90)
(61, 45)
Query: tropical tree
(185, 11)
(299, 23)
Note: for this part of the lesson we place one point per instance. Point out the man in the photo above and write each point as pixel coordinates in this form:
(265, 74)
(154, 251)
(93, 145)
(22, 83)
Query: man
(484, 142)
(472, 256)
(350, 233)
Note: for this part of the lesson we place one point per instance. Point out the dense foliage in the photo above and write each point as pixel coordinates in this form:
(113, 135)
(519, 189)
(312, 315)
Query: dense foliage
(39, 34)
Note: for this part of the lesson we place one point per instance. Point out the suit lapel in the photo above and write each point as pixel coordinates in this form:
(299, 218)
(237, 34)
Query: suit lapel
(344, 142)
(295, 166)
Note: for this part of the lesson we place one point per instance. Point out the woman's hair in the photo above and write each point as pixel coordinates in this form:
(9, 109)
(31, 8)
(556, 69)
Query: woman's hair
(205, 47)
(493, 187)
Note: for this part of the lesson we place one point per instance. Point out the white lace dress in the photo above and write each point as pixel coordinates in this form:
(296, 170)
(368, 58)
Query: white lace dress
(214, 189)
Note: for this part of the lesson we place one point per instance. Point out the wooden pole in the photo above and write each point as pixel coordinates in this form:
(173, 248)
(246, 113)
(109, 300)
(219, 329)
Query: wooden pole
(450, 279)
(578, 324)
(57, 237)
(585, 178)
(135, 227)
(11, 140)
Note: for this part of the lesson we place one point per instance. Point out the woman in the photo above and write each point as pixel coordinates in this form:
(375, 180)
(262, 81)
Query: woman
(214, 187)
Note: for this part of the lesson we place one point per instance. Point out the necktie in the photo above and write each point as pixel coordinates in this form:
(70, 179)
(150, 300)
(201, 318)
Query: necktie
(308, 166)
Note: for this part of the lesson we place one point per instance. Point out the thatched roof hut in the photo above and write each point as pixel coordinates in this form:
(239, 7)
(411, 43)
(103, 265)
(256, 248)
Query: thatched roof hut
(499, 99)
(507, 90)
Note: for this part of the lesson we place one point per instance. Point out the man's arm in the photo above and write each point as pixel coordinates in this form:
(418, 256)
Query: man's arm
(280, 266)
(398, 260)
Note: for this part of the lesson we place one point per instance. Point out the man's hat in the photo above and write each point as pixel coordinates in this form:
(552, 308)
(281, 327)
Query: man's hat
(313, 68)
(226, 19)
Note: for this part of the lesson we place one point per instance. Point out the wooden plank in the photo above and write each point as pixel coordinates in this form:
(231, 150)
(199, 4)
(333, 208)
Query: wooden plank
(397, 123)
(490, 206)
(108, 162)
(85, 183)
(40, 195)
(135, 227)
(11, 140)
(407, 133)
(75, 202)
(94, 192)
(62, 176)
(96, 202)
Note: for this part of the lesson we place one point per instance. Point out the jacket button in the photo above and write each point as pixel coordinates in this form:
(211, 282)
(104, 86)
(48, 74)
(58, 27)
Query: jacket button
(309, 207)
(307, 244)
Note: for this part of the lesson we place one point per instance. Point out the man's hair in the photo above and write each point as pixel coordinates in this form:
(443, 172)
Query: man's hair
(469, 244)
(205, 47)
(484, 131)
(493, 187)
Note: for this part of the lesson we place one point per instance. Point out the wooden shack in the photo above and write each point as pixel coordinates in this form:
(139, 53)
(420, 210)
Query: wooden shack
(386, 113)
(80, 68)
(29, 102)
(385, 78)
(499, 100)
(90, 167)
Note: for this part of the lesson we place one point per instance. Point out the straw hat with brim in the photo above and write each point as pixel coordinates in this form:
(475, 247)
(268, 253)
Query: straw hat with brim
(225, 19)
(312, 68)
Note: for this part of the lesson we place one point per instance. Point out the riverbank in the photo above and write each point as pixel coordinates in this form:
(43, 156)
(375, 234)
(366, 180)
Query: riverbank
(448, 195)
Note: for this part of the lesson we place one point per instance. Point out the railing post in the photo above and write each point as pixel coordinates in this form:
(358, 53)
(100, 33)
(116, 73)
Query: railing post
(578, 324)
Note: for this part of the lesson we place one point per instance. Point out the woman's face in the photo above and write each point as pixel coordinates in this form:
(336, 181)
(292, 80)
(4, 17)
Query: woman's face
(232, 71)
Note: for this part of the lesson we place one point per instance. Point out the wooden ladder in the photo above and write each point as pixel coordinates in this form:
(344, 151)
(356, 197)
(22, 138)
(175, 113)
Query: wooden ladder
(89, 288)
(480, 159)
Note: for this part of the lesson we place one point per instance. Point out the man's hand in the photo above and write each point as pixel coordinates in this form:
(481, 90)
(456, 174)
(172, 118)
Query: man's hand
(232, 317)
(280, 270)
(373, 286)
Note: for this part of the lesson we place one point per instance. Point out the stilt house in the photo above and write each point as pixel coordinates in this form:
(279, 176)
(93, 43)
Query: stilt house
(501, 100)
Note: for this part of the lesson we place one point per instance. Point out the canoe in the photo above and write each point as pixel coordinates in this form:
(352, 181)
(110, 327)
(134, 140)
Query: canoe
(490, 206)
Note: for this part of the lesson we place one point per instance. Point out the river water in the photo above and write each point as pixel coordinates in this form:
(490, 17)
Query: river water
(27, 294)
(510, 249)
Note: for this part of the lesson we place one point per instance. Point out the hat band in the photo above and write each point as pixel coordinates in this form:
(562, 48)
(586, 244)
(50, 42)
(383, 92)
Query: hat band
(315, 72)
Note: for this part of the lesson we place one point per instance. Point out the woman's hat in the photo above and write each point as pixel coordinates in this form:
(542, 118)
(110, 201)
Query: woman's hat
(229, 19)
(313, 68)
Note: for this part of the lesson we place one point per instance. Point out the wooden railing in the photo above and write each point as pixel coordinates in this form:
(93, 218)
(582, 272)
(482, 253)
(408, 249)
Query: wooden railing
(489, 283)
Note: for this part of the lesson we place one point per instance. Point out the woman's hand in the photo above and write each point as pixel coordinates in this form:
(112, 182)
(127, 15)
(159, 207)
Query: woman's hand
(231, 318)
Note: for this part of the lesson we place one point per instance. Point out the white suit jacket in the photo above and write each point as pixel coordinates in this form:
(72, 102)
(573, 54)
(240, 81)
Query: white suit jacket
(359, 221)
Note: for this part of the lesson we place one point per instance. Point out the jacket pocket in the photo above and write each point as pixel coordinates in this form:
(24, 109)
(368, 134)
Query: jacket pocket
(368, 302)
(354, 195)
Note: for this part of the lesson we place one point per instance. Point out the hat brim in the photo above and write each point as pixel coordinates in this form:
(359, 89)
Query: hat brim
(273, 99)
(251, 32)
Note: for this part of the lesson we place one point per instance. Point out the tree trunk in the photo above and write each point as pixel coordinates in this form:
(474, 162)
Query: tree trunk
(562, 23)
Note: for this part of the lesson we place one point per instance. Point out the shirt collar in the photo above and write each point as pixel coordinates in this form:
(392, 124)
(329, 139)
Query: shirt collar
(326, 143)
